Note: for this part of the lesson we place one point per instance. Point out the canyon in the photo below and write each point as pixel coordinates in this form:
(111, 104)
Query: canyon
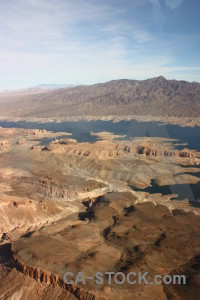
(69, 206)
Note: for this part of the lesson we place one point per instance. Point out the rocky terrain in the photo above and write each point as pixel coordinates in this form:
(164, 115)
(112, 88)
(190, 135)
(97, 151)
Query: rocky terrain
(116, 234)
(69, 206)
(168, 100)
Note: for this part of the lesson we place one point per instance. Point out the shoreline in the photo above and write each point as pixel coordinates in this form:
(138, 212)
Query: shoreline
(182, 122)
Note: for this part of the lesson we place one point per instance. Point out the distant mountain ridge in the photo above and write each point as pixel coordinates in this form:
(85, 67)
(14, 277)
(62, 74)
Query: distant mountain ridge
(53, 86)
(152, 97)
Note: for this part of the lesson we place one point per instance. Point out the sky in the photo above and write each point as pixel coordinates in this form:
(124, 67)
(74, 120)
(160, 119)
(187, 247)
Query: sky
(90, 41)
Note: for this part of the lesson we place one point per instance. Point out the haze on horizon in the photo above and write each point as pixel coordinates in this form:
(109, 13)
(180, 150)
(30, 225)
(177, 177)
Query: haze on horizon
(85, 41)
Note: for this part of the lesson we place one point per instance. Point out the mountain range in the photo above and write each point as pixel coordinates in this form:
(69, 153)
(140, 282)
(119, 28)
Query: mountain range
(152, 97)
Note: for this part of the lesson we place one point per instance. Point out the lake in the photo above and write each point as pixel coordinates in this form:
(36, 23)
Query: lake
(80, 130)
(183, 191)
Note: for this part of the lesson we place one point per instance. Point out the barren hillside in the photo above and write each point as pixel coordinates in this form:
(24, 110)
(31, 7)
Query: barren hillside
(153, 97)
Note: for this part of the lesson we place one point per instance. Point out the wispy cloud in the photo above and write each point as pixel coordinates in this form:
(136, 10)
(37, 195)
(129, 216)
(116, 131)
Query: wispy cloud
(82, 41)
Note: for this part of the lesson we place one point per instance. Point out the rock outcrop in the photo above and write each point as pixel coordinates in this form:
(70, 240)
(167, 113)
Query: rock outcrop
(51, 279)
(116, 234)
(108, 149)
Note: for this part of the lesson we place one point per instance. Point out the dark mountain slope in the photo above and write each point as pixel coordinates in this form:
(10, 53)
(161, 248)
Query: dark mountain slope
(152, 97)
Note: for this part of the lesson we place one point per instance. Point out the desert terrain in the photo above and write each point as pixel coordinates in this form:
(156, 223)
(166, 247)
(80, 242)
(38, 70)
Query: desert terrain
(99, 150)
(69, 206)
(168, 101)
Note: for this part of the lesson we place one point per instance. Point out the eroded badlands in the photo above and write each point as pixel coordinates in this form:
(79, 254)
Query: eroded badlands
(69, 206)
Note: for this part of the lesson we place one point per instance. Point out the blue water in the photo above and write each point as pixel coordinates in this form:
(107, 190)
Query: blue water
(183, 191)
(80, 130)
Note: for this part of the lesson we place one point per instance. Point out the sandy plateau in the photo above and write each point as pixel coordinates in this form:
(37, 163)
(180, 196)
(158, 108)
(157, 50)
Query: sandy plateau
(69, 206)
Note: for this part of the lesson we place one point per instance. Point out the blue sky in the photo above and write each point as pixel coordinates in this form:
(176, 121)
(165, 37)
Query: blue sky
(90, 41)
